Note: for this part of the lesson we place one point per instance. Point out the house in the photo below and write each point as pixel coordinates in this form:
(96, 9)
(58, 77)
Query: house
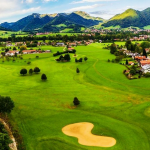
(147, 50)
(146, 68)
(72, 44)
(140, 58)
(60, 44)
(11, 53)
(131, 63)
(29, 51)
(145, 62)
(47, 51)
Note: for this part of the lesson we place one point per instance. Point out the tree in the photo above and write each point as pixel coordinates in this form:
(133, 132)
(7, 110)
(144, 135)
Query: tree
(80, 60)
(15, 54)
(43, 77)
(145, 45)
(6, 104)
(76, 101)
(23, 71)
(144, 53)
(23, 48)
(113, 48)
(77, 70)
(76, 60)
(132, 72)
(30, 71)
(85, 58)
(36, 70)
(14, 48)
(4, 138)
(127, 62)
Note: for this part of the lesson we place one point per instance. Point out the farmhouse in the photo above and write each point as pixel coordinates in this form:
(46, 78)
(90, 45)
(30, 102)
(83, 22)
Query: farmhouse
(145, 62)
(60, 44)
(140, 58)
(29, 51)
(146, 68)
(72, 44)
(11, 53)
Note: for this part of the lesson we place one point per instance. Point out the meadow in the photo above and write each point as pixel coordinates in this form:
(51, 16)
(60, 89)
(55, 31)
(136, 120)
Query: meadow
(118, 107)
(6, 34)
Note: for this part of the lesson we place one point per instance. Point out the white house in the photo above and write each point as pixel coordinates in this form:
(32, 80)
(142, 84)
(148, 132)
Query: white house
(11, 53)
(146, 68)
(60, 44)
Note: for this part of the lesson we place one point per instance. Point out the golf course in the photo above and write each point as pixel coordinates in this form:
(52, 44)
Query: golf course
(114, 106)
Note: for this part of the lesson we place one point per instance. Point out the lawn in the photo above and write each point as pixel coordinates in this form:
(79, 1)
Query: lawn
(118, 107)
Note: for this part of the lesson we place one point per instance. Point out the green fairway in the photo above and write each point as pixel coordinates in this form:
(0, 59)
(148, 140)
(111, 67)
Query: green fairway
(118, 107)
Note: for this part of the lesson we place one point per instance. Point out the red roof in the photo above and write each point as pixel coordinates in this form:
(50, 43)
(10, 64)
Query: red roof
(145, 62)
(12, 51)
(140, 57)
(29, 51)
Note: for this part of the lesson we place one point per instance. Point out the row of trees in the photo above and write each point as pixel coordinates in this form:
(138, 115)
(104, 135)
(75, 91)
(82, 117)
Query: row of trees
(62, 58)
(81, 59)
(31, 71)
(110, 36)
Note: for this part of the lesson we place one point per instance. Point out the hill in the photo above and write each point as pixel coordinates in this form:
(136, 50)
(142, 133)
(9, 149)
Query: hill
(87, 16)
(53, 22)
(129, 18)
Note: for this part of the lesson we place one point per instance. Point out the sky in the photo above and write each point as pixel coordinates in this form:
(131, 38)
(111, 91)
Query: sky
(13, 10)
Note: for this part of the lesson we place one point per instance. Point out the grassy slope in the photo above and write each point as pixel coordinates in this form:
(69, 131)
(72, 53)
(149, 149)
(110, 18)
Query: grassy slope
(118, 107)
(127, 13)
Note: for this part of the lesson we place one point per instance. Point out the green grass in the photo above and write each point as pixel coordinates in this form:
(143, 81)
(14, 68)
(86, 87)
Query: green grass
(118, 107)
(6, 34)
(147, 27)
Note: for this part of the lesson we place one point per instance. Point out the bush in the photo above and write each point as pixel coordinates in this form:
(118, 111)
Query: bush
(29, 62)
(132, 71)
(43, 77)
(23, 71)
(76, 101)
(36, 70)
(80, 60)
(77, 70)
(6, 104)
(85, 58)
(30, 71)
(147, 74)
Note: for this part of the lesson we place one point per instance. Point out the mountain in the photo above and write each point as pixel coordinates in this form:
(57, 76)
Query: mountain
(129, 18)
(4, 29)
(87, 16)
(6, 24)
(53, 22)
(59, 23)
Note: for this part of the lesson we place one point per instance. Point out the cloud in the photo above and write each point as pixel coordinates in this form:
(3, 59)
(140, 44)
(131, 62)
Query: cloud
(20, 12)
(84, 7)
(91, 1)
(29, 1)
(50, 0)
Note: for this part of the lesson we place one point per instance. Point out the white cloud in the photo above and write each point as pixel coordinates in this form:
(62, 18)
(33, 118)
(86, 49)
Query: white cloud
(84, 7)
(20, 12)
(29, 1)
(50, 0)
(92, 1)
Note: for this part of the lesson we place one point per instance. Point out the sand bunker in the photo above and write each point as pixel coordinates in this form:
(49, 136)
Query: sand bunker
(82, 131)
